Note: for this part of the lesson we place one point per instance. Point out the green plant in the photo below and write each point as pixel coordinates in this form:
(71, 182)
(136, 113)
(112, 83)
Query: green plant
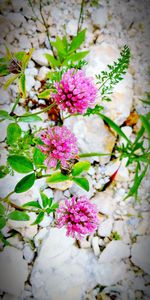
(108, 79)
(27, 152)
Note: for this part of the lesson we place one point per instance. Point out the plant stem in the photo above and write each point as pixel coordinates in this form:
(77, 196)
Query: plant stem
(15, 104)
(95, 154)
(6, 198)
(18, 207)
(46, 28)
(39, 112)
(80, 21)
(73, 115)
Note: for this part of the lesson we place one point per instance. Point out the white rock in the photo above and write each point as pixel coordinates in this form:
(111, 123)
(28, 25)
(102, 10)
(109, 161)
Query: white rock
(114, 251)
(62, 186)
(105, 202)
(91, 171)
(95, 245)
(121, 228)
(105, 228)
(49, 193)
(61, 261)
(43, 73)
(4, 96)
(15, 241)
(140, 253)
(99, 17)
(31, 71)
(94, 136)
(9, 297)
(127, 131)
(71, 27)
(28, 253)
(112, 167)
(14, 271)
(37, 85)
(98, 59)
(46, 221)
(24, 42)
(30, 81)
(28, 232)
(78, 191)
(84, 243)
(39, 56)
(40, 236)
(8, 182)
(110, 273)
(16, 19)
(40, 26)
(21, 224)
(123, 173)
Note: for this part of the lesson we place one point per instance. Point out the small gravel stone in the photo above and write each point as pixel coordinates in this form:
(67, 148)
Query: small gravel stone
(105, 228)
(95, 245)
(28, 253)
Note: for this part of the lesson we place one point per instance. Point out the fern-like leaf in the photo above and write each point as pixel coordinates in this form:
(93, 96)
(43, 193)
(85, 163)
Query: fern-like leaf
(108, 79)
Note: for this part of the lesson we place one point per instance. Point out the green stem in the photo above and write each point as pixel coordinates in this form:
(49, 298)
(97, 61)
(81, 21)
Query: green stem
(95, 154)
(6, 198)
(46, 28)
(74, 115)
(15, 104)
(16, 206)
(39, 112)
(80, 21)
(42, 176)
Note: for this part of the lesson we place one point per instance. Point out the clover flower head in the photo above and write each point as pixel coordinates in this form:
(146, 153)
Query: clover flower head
(79, 216)
(75, 92)
(59, 144)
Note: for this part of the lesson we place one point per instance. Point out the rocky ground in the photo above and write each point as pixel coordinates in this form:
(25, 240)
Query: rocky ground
(43, 263)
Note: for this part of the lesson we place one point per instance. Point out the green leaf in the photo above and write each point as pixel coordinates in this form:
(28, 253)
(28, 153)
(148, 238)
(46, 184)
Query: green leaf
(17, 215)
(39, 218)
(137, 181)
(45, 199)
(77, 41)
(32, 204)
(146, 124)
(5, 115)
(108, 79)
(3, 240)
(2, 222)
(50, 200)
(82, 182)
(26, 58)
(57, 177)
(20, 164)
(76, 56)
(114, 126)
(38, 157)
(3, 71)
(80, 167)
(13, 133)
(10, 80)
(2, 209)
(25, 183)
(29, 118)
(19, 55)
(3, 171)
(22, 85)
(93, 111)
(54, 206)
(45, 94)
(52, 61)
(59, 45)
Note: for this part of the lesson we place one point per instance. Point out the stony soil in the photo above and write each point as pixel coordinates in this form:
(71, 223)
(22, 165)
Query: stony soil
(43, 263)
